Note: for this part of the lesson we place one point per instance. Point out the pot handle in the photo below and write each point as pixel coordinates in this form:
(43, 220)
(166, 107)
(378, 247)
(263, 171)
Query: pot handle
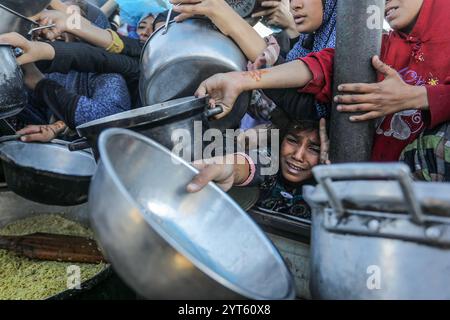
(213, 112)
(400, 172)
(78, 145)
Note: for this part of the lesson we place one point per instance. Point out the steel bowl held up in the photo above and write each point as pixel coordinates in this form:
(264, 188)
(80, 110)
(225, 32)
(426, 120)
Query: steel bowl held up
(12, 92)
(166, 243)
(47, 173)
(176, 61)
(378, 239)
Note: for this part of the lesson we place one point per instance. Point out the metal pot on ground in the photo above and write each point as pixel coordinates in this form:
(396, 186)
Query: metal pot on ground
(378, 239)
(47, 173)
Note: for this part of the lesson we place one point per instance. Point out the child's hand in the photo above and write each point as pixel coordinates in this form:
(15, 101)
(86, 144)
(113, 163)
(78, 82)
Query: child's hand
(32, 50)
(217, 169)
(42, 133)
(377, 100)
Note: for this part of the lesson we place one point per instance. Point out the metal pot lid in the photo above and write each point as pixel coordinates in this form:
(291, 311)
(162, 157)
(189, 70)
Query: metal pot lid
(146, 115)
(239, 256)
(26, 8)
(49, 157)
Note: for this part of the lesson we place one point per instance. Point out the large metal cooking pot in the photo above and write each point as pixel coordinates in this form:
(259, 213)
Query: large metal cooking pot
(12, 92)
(166, 243)
(26, 8)
(47, 173)
(173, 64)
(378, 239)
(12, 21)
(157, 122)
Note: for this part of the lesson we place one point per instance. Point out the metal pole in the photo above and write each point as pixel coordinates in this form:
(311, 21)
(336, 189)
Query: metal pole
(359, 32)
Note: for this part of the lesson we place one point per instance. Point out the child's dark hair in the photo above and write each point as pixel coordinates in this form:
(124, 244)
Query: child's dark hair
(299, 126)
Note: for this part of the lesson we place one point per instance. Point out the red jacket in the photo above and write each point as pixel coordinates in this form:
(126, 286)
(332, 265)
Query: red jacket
(422, 58)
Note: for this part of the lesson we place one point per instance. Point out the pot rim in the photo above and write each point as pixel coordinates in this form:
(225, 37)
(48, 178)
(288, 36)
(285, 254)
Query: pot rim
(108, 167)
(17, 14)
(39, 171)
(144, 112)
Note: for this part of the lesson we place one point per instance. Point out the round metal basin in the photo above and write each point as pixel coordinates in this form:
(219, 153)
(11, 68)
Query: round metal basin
(168, 244)
(47, 173)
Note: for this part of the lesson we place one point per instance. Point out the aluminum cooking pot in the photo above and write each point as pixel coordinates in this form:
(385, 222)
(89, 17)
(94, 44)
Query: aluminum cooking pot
(173, 64)
(26, 8)
(12, 21)
(158, 122)
(12, 92)
(47, 173)
(378, 239)
(169, 244)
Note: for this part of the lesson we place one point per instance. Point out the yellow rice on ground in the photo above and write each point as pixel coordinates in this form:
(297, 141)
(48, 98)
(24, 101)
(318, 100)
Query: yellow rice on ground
(22, 278)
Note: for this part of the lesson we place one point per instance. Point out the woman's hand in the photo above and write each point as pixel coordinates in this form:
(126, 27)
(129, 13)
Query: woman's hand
(32, 75)
(218, 11)
(377, 100)
(223, 89)
(278, 14)
(42, 133)
(32, 50)
(189, 8)
(60, 19)
(324, 143)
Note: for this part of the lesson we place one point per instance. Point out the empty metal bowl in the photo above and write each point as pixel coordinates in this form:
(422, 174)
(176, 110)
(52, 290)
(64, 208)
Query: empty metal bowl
(169, 244)
(47, 172)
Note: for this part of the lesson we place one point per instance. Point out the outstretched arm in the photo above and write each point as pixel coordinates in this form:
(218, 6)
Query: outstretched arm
(228, 22)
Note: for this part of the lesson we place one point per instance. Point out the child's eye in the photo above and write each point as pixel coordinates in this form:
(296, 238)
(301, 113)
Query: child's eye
(315, 149)
(291, 140)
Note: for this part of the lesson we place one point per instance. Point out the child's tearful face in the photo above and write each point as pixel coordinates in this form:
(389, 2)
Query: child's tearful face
(300, 152)
(145, 28)
(402, 14)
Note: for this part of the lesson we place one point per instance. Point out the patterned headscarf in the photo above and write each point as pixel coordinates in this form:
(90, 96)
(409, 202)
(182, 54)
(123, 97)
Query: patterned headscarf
(324, 37)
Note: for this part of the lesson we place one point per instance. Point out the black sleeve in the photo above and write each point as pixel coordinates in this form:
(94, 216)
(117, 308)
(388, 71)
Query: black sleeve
(283, 41)
(297, 105)
(86, 58)
(60, 101)
(132, 48)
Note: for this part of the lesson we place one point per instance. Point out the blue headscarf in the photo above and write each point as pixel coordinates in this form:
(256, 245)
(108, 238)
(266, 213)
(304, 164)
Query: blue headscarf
(324, 37)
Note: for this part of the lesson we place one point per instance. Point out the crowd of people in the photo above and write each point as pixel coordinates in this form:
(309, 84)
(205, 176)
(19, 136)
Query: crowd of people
(76, 75)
